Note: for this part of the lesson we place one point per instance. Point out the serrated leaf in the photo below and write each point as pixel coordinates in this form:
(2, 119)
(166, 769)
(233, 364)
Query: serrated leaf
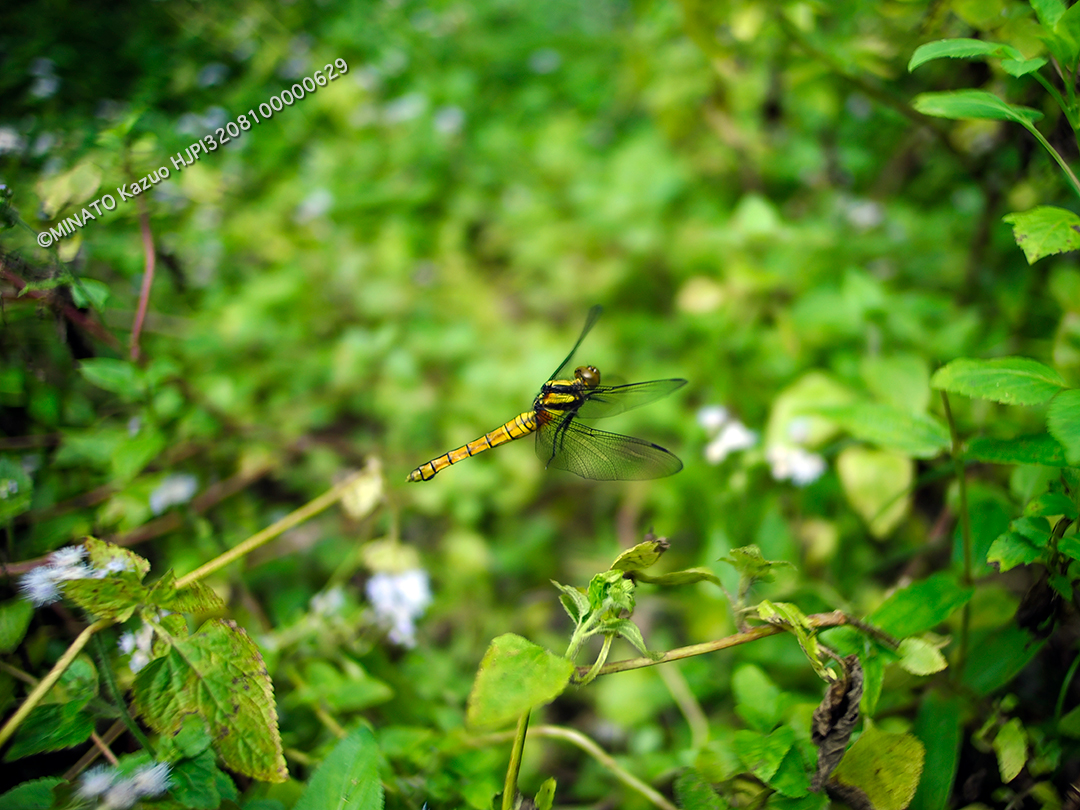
(1050, 504)
(1022, 67)
(16, 490)
(693, 792)
(1044, 231)
(762, 754)
(628, 630)
(348, 779)
(105, 556)
(919, 657)
(1040, 448)
(641, 556)
(886, 767)
(960, 48)
(196, 782)
(217, 674)
(15, 615)
(115, 597)
(750, 563)
(1010, 746)
(514, 677)
(1008, 380)
(921, 606)
(194, 598)
(912, 434)
(37, 794)
(1013, 548)
(51, 727)
(976, 104)
(1063, 422)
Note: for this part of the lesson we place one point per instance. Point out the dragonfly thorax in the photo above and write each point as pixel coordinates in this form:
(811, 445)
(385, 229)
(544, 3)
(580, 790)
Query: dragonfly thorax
(589, 376)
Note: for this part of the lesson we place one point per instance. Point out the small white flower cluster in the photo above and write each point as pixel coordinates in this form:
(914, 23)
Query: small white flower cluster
(118, 792)
(729, 434)
(173, 490)
(398, 600)
(788, 461)
(138, 645)
(42, 585)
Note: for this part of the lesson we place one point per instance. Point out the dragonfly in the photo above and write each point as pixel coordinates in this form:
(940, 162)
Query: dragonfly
(562, 441)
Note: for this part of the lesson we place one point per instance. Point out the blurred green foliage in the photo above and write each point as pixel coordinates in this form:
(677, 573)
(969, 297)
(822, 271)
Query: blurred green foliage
(393, 265)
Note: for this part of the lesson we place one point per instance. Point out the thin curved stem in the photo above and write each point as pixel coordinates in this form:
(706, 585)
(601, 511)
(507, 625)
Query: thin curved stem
(510, 788)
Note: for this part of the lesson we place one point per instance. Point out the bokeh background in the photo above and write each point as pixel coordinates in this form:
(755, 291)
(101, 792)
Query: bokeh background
(394, 264)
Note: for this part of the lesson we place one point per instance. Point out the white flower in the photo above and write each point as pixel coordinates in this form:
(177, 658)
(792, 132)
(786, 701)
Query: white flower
(10, 140)
(795, 463)
(399, 599)
(712, 417)
(328, 602)
(150, 780)
(39, 586)
(69, 555)
(96, 781)
(173, 489)
(139, 659)
(121, 795)
(138, 645)
(733, 437)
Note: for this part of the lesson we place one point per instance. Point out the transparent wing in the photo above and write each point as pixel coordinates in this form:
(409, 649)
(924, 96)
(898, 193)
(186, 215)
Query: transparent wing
(590, 322)
(567, 445)
(608, 400)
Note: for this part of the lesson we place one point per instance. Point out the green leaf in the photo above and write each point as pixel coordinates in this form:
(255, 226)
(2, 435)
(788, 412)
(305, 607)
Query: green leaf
(134, 452)
(921, 606)
(1040, 448)
(1048, 12)
(1009, 380)
(762, 754)
(641, 556)
(1044, 231)
(15, 615)
(194, 598)
(1069, 725)
(348, 779)
(938, 725)
(115, 597)
(628, 630)
(1067, 37)
(1063, 422)
(693, 792)
(996, 656)
(794, 621)
(1051, 504)
(886, 767)
(514, 677)
(752, 565)
(877, 484)
(16, 490)
(218, 675)
(757, 698)
(37, 794)
(545, 796)
(198, 782)
(106, 556)
(1022, 67)
(347, 689)
(118, 376)
(77, 185)
(912, 434)
(791, 779)
(919, 657)
(977, 104)
(89, 292)
(1010, 746)
(50, 728)
(1013, 549)
(960, 49)
(574, 602)
(688, 576)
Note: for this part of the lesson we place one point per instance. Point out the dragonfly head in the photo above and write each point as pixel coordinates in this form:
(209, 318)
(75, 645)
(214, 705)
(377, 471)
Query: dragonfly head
(588, 375)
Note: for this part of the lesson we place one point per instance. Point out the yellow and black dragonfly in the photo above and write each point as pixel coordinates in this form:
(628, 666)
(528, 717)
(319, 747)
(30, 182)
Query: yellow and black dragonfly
(563, 442)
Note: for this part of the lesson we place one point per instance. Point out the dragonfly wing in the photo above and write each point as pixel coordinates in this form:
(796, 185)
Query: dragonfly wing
(567, 445)
(590, 322)
(608, 400)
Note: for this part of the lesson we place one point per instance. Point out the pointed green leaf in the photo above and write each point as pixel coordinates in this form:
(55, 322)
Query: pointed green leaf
(545, 796)
(194, 598)
(1008, 380)
(15, 615)
(514, 677)
(1044, 231)
(641, 556)
(916, 435)
(689, 576)
(921, 606)
(219, 675)
(115, 597)
(938, 725)
(886, 767)
(1051, 504)
(1022, 67)
(574, 602)
(51, 727)
(348, 779)
(1063, 421)
(118, 376)
(197, 782)
(630, 631)
(960, 49)
(996, 656)
(37, 794)
(1048, 12)
(1041, 448)
(757, 698)
(762, 754)
(977, 104)
(693, 792)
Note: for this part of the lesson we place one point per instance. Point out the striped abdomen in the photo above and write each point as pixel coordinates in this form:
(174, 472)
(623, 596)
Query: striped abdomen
(521, 425)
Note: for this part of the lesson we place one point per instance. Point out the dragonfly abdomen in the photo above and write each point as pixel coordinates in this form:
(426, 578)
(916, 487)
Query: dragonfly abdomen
(521, 425)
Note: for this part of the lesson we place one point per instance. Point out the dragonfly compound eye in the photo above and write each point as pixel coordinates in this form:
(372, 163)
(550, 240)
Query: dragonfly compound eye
(590, 375)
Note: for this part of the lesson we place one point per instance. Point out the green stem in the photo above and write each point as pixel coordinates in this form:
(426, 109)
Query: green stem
(106, 674)
(1065, 684)
(510, 789)
(1073, 181)
(601, 659)
(965, 528)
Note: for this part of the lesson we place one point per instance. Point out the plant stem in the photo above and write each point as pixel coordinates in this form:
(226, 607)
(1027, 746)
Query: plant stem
(965, 527)
(1073, 181)
(600, 660)
(510, 789)
(46, 683)
(106, 674)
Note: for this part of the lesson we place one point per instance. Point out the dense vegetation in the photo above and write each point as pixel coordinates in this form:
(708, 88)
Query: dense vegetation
(845, 224)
